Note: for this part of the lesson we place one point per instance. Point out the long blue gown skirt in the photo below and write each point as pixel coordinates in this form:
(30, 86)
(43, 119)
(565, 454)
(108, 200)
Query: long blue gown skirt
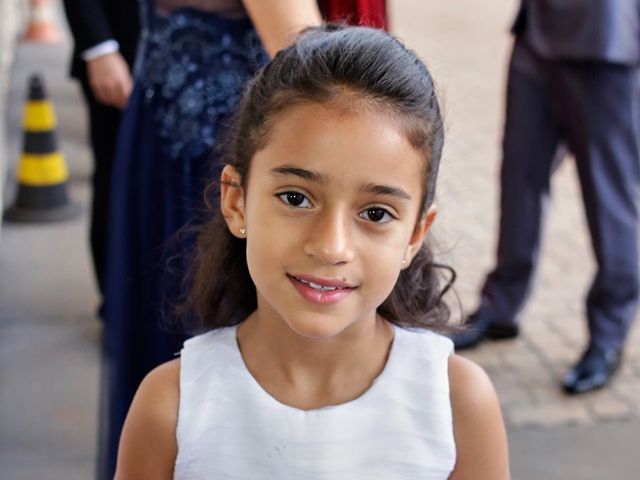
(191, 71)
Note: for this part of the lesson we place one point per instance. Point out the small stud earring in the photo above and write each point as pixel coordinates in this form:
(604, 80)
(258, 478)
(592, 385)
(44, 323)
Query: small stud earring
(404, 262)
(243, 230)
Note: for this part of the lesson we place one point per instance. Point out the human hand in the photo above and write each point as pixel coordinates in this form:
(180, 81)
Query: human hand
(110, 79)
(279, 21)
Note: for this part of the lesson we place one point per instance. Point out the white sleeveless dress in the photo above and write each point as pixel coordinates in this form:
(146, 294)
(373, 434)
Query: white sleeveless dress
(229, 427)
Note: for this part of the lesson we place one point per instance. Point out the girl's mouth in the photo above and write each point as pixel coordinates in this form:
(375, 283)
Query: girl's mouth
(315, 286)
(321, 291)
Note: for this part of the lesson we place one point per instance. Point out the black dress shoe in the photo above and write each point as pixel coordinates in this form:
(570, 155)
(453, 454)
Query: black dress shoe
(480, 327)
(594, 370)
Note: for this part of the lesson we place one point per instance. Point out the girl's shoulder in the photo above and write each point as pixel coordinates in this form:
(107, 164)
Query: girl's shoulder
(164, 379)
(158, 396)
(204, 339)
(206, 350)
(148, 438)
(476, 415)
(468, 381)
(465, 376)
(424, 340)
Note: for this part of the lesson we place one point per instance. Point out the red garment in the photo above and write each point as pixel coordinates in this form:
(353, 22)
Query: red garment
(371, 13)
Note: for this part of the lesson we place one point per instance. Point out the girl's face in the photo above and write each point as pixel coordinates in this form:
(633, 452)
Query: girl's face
(331, 211)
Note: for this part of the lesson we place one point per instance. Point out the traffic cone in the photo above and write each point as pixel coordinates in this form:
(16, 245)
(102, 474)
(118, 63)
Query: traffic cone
(42, 172)
(42, 26)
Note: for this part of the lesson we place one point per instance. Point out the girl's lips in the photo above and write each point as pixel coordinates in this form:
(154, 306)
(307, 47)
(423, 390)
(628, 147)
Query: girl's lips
(325, 282)
(321, 291)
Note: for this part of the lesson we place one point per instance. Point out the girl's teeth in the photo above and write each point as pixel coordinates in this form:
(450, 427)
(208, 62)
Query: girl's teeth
(315, 286)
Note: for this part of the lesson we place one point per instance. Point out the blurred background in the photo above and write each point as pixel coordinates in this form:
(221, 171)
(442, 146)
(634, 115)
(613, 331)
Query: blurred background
(50, 337)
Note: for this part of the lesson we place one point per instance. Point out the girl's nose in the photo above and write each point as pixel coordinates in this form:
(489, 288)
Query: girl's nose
(329, 239)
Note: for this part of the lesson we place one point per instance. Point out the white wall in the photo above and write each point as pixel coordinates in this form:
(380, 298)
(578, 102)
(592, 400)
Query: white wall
(12, 18)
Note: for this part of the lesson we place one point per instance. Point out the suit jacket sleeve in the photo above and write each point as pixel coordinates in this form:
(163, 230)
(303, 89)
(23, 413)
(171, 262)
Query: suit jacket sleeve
(88, 22)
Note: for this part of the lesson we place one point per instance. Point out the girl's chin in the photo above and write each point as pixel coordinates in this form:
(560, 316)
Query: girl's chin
(318, 330)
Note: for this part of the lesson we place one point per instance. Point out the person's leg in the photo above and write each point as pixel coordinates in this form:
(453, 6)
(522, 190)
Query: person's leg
(602, 108)
(600, 102)
(104, 122)
(530, 145)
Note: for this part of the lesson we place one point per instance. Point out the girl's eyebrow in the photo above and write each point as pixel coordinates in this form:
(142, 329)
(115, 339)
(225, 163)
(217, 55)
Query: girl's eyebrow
(299, 172)
(288, 170)
(396, 192)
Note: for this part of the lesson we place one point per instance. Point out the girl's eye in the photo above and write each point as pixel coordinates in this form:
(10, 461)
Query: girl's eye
(295, 199)
(376, 215)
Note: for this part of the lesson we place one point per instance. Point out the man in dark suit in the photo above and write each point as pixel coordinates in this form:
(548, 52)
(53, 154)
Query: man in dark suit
(105, 33)
(573, 80)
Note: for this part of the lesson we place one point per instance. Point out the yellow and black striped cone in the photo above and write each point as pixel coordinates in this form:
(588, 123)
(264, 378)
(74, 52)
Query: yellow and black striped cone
(42, 172)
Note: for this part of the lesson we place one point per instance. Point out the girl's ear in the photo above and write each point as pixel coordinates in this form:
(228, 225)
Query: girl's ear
(421, 230)
(232, 201)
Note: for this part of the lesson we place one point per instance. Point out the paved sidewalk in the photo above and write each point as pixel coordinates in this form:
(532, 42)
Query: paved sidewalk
(49, 338)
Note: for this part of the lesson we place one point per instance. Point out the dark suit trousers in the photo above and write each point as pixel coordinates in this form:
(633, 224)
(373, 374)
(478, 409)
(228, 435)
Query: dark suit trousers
(104, 122)
(592, 108)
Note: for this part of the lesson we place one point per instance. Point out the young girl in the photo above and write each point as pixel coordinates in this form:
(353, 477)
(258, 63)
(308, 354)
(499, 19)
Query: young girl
(319, 292)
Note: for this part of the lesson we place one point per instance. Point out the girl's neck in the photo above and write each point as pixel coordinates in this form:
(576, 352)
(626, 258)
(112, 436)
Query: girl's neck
(312, 373)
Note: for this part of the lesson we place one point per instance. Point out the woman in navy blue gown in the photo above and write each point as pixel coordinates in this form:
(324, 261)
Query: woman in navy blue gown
(194, 59)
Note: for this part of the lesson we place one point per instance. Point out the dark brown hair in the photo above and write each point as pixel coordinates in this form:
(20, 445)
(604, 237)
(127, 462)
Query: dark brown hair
(324, 63)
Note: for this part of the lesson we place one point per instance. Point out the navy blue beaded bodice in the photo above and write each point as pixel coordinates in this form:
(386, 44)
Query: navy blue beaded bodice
(192, 65)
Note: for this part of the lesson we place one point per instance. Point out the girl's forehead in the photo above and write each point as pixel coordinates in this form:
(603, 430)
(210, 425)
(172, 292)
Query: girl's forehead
(329, 128)
(341, 145)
